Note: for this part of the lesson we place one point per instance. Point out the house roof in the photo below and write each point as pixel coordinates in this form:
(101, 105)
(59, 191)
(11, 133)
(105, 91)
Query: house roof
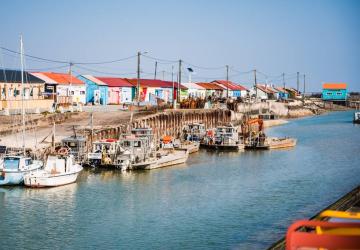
(115, 81)
(155, 83)
(61, 78)
(95, 80)
(334, 86)
(292, 90)
(210, 86)
(266, 89)
(229, 84)
(280, 89)
(191, 85)
(14, 76)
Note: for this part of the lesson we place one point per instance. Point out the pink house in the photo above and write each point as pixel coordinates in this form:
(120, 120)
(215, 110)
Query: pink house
(120, 90)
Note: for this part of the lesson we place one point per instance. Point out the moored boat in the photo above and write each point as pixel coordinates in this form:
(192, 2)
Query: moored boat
(103, 153)
(276, 143)
(14, 168)
(356, 118)
(59, 170)
(225, 138)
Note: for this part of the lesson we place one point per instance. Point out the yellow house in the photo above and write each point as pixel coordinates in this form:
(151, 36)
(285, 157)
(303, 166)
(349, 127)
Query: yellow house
(12, 91)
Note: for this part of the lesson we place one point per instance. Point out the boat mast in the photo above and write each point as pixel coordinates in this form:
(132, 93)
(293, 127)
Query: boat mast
(22, 93)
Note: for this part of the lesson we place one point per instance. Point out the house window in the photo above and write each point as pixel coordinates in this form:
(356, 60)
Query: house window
(72, 92)
(339, 93)
(82, 92)
(328, 93)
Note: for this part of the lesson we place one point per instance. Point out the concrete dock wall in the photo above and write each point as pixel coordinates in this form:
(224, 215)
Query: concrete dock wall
(168, 122)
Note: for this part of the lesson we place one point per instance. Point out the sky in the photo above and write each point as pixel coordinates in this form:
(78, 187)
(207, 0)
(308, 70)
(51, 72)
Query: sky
(318, 38)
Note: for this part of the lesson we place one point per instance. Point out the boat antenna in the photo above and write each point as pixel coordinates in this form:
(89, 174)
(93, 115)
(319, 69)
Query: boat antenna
(22, 93)
(53, 136)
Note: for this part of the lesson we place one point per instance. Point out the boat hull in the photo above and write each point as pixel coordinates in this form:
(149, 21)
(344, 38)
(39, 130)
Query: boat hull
(15, 177)
(220, 147)
(38, 180)
(284, 143)
(174, 158)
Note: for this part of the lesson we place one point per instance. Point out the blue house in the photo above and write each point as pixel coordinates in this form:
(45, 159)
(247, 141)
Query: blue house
(96, 90)
(334, 92)
(282, 93)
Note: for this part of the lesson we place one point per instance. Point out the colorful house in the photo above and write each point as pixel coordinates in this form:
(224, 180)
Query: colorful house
(334, 92)
(232, 89)
(68, 88)
(212, 89)
(151, 89)
(12, 91)
(120, 90)
(282, 93)
(195, 90)
(266, 92)
(96, 90)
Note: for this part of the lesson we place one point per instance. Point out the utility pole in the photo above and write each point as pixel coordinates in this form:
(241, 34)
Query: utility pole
(70, 82)
(297, 82)
(255, 83)
(283, 77)
(155, 70)
(92, 127)
(138, 78)
(178, 90)
(227, 81)
(173, 85)
(304, 90)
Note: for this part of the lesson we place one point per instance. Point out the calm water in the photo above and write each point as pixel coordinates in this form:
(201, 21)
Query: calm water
(216, 201)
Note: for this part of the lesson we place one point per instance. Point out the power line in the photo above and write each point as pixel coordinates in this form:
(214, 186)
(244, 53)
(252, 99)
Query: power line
(103, 72)
(204, 68)
(66, 62)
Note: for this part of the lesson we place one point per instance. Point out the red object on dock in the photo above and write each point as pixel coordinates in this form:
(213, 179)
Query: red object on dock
(300, 239)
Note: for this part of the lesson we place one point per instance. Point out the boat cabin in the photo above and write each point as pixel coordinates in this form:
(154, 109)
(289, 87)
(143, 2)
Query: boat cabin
(77, 146)
(56, 164)
(16, 162)
(108, 145)
(137, 146)
(194, 132)
(226, 135)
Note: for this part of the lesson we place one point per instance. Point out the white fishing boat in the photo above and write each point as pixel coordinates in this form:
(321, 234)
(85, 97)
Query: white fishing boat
(170, 157)
(13, 169)
(103, 153)
(225, 138)
(191, 146)
(194, 132)
(356, 117)
(277, 143)
(59, 170)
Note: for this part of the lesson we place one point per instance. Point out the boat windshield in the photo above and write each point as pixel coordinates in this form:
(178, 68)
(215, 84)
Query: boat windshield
(11, 163)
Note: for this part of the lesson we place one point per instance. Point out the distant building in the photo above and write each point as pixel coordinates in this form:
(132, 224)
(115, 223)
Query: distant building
(266, 92)
(12, 91)
(293, 93)
(195, 90)
(120, 90)
(150, 89)
(96, 90)
(235, 90)
(68, 88)
(282, 93)
(212, 89)
(334, 92)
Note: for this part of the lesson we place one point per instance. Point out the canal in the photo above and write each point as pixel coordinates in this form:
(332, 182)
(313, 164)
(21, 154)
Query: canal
(216, 201)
